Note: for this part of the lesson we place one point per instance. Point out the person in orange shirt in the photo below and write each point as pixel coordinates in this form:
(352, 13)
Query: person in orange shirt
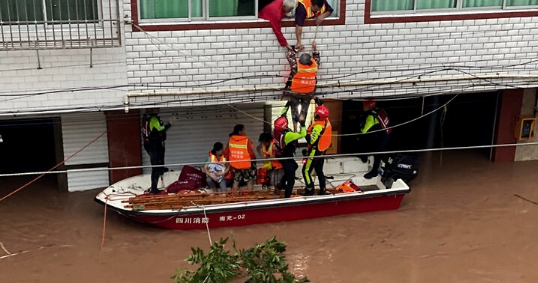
(301, 83)
(309, 9)
(240, 153)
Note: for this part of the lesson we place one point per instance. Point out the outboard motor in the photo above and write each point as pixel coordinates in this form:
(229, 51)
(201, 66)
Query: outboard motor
(400, 166)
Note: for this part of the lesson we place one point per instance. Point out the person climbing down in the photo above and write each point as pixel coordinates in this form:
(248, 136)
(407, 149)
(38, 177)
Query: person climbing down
(286, 142)
(301, 85)
(154, 135)
(318, 136)
(376, 123)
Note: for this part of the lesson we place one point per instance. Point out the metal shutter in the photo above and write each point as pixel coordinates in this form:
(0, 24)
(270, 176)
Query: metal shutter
(77, 131)
(195, 131)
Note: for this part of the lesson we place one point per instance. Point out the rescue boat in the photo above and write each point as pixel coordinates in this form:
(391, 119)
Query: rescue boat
(203, 208)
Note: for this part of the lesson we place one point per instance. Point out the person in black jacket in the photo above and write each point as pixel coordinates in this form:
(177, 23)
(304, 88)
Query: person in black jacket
(154, 144)
(377, 123)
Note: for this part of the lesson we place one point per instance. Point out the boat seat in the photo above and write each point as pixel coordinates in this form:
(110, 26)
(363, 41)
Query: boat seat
(354, 166)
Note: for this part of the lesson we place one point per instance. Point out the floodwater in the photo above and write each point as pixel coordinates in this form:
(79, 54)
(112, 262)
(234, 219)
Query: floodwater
(466, 220)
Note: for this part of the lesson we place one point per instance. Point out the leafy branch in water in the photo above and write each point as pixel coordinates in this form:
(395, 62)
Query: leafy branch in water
(262, 263)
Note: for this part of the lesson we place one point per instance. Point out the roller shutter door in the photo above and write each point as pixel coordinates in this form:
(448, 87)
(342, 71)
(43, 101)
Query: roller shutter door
(197, 128)
(77, 131)
(195, 131)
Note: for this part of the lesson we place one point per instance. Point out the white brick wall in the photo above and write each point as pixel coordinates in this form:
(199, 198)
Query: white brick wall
(61, 69)
(385, 50)
(174, 61)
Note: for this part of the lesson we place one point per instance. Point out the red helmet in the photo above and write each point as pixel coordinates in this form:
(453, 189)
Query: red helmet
(322, 112)
(281, 123)
(370, 103)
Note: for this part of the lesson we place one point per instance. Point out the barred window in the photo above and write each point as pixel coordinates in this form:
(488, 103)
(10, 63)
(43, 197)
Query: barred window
(31, 11)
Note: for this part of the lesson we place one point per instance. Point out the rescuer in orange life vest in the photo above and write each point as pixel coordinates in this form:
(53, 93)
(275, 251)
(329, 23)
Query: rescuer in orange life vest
(319, 139)
(286, 142)
(301, 83)
(241, 150)
(216, 168)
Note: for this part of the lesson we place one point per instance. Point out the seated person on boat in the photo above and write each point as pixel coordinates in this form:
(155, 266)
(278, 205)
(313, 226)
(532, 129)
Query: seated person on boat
(216, 168)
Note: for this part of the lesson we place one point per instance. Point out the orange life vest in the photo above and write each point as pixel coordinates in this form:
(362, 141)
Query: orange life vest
(213, 158)
(275, 164)
(348, 187)
(324, 141)
(304, 81)
(238, 147)
(308, 7)
(261, 177)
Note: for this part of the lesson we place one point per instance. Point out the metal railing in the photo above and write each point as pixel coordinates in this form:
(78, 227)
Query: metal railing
(59, 24)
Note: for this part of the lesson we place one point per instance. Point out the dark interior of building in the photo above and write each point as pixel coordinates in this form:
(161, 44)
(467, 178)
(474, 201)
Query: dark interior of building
(469, 120)
(27, 145)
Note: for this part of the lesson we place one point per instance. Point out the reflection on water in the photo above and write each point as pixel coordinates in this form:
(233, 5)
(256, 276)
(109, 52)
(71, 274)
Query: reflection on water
(461, 223)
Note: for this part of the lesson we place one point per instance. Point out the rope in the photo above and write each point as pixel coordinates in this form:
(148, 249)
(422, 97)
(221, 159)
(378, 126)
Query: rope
(104, 224)
(4, 248)
(295, 158)
(249, 115)
(55, 166)
(206, 223)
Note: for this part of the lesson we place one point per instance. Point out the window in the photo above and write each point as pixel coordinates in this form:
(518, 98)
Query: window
(196, 9)
(29, 11)
(204, 9)
(417, 5)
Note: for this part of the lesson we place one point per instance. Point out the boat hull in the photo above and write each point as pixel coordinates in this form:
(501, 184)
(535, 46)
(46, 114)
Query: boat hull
(231, 217)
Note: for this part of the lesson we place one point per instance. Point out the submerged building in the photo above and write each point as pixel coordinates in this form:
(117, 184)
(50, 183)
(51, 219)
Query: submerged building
(77, 76)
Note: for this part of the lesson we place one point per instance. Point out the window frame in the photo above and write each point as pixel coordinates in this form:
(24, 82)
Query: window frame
(47, 22)
(139, 25)
(449, 14)
(204, 18)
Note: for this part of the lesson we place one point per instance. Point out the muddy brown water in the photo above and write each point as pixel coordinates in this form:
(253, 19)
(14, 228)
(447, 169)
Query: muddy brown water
(463, 222)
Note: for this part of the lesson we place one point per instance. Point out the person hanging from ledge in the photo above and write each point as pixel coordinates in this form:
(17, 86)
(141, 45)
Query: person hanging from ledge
(154, 135)
(286, 142)
(275, 11)
(309, 9)
(318, 136)
(301, 85)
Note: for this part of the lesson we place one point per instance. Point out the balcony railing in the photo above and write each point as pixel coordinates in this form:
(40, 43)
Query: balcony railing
(59, 24)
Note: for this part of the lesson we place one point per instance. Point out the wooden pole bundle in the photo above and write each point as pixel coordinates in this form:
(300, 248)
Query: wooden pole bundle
(178, 201)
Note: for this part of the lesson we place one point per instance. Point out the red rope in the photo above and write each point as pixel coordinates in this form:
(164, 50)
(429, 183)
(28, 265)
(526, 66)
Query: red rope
(55, 166)
(104, 226)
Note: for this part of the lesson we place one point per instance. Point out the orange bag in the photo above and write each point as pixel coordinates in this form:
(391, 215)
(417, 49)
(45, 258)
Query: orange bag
(262, 178)
(348, 187)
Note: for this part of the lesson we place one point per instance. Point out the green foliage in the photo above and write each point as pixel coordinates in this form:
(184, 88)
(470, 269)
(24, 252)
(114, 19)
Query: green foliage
(262, 263)
(217, 266)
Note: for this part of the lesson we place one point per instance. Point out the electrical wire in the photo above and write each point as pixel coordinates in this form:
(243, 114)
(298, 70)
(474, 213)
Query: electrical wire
(297, 158)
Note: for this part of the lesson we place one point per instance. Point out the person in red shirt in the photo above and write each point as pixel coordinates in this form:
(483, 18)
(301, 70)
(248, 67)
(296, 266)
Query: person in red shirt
(274, 11)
